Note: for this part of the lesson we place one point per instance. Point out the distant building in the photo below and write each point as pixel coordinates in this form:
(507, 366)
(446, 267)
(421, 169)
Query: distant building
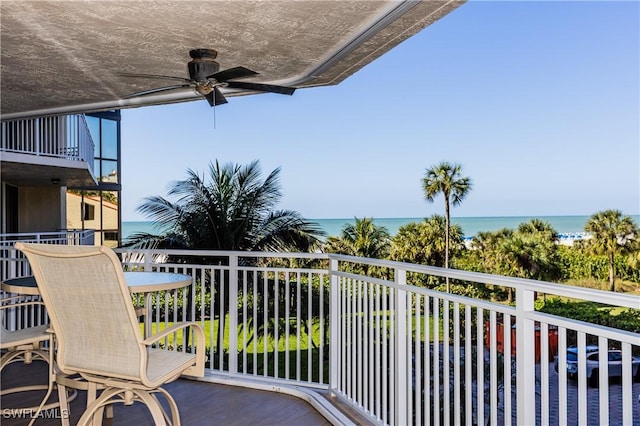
(91, 211)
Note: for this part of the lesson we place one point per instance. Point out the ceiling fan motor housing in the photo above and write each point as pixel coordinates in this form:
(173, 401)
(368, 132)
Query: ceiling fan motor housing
(201, 68)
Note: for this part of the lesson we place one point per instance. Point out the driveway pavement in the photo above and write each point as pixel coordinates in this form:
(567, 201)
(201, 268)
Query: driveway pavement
(593, 395)
(593, 401)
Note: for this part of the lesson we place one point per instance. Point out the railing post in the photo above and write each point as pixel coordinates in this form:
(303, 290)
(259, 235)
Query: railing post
(525, 357)
(146, 260)
(233, 314)
(334, 321)
(402, 370)
(37, 142)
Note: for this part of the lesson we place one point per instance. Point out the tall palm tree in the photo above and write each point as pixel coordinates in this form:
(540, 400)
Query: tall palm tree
(611, 233)
(232, 210)
(446, 179)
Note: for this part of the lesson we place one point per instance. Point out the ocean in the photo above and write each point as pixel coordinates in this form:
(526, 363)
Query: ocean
(566, 225)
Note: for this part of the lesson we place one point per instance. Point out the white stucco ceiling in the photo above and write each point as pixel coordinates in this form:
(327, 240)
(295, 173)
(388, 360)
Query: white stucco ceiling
(62, 57)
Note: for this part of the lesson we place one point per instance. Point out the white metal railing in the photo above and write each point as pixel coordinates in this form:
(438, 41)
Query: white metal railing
(65, 137)
(406, 354)
(397, 352)
(265, 315)
(13, 264)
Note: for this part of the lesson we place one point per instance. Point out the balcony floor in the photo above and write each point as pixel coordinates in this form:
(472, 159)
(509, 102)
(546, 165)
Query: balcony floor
(200, 403)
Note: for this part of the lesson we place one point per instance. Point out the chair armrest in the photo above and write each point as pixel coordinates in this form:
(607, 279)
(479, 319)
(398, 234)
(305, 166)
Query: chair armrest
(169, 330)
(196, 370)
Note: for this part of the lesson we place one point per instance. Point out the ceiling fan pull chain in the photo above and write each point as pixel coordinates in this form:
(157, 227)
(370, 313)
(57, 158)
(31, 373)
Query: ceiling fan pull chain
(214, 119)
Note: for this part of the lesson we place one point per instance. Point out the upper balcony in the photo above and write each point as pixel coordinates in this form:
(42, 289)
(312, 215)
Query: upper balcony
(47, 150)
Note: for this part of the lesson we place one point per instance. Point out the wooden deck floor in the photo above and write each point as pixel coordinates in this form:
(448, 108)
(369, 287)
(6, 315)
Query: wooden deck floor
(200, 403)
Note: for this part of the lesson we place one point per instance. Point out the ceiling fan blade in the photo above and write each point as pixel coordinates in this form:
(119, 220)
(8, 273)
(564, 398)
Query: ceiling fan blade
(156, 90)
(231, 73)
(283, 90)
(154, 76)
(215, 97)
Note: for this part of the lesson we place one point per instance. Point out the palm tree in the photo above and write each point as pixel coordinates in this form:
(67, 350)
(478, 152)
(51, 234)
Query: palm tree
(422, 243)
(446, 179)
(363, 238)
(611, 233)
(528, 252)
(485, 245)
(233, 210)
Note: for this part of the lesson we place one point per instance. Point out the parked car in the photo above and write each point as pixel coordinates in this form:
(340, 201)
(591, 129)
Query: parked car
(593, 355)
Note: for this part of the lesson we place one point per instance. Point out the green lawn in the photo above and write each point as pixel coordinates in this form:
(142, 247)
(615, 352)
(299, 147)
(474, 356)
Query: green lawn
(284, 342)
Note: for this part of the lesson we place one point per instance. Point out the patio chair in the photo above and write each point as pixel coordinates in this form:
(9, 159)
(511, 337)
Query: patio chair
(97, 331)
(25, 344)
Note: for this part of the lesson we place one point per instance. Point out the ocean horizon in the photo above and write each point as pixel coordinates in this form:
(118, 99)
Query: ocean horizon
(564, 225)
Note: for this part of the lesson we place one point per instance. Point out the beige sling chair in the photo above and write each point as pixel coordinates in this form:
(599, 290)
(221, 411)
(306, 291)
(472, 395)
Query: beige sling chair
(97, 332)
(25, 344)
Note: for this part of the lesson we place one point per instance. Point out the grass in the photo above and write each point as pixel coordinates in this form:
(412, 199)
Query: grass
(252, 360)
(622, 286)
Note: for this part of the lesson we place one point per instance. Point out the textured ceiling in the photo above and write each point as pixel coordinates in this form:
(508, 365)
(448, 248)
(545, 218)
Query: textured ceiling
(65, 56)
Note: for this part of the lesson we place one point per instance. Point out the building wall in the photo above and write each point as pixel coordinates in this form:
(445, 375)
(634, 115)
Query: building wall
(41, 208)
(93, 212)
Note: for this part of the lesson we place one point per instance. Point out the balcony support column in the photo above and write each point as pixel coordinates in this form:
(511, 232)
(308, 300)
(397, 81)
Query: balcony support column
(403, 368)
(233, 314)
(147, 262)
(334, 322)
(525, 357)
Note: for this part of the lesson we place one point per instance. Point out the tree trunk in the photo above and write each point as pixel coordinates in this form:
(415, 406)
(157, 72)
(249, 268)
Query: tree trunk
(612, 275)
(446, 238)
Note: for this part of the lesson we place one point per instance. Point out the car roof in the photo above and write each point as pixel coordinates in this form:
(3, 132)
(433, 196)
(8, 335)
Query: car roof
(589, 348)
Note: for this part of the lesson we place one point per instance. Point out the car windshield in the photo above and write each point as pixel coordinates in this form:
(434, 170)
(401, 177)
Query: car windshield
(615, 356)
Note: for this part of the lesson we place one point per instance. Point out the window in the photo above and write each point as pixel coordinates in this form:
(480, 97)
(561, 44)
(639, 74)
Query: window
(109, 140)
(99, 209)
(88, 212)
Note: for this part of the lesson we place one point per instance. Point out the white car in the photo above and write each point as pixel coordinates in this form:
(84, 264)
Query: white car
(593, 355)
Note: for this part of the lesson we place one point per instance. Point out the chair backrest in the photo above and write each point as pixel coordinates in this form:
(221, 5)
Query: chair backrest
(90, 309)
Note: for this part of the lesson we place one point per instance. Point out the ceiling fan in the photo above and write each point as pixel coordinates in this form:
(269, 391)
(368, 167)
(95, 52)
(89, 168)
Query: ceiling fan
(206, 79)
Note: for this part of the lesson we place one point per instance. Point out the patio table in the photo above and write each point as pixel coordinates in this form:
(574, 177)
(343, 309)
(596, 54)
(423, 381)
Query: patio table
(138, 282)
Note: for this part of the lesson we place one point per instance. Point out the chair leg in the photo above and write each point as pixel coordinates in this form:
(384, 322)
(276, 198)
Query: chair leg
(92, 391)
(98, 403)
(175, 415)
(52, 378)
(64, 404)
(109, 409)
(94, 410)
(152, 403)
(27, 356)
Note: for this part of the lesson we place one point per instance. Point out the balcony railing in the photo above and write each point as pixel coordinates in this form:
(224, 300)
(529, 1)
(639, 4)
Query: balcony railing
(397, 352)
(65, 137)
(13, 263)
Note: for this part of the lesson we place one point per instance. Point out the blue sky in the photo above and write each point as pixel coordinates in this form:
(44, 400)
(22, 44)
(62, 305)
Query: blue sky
(538, 101)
